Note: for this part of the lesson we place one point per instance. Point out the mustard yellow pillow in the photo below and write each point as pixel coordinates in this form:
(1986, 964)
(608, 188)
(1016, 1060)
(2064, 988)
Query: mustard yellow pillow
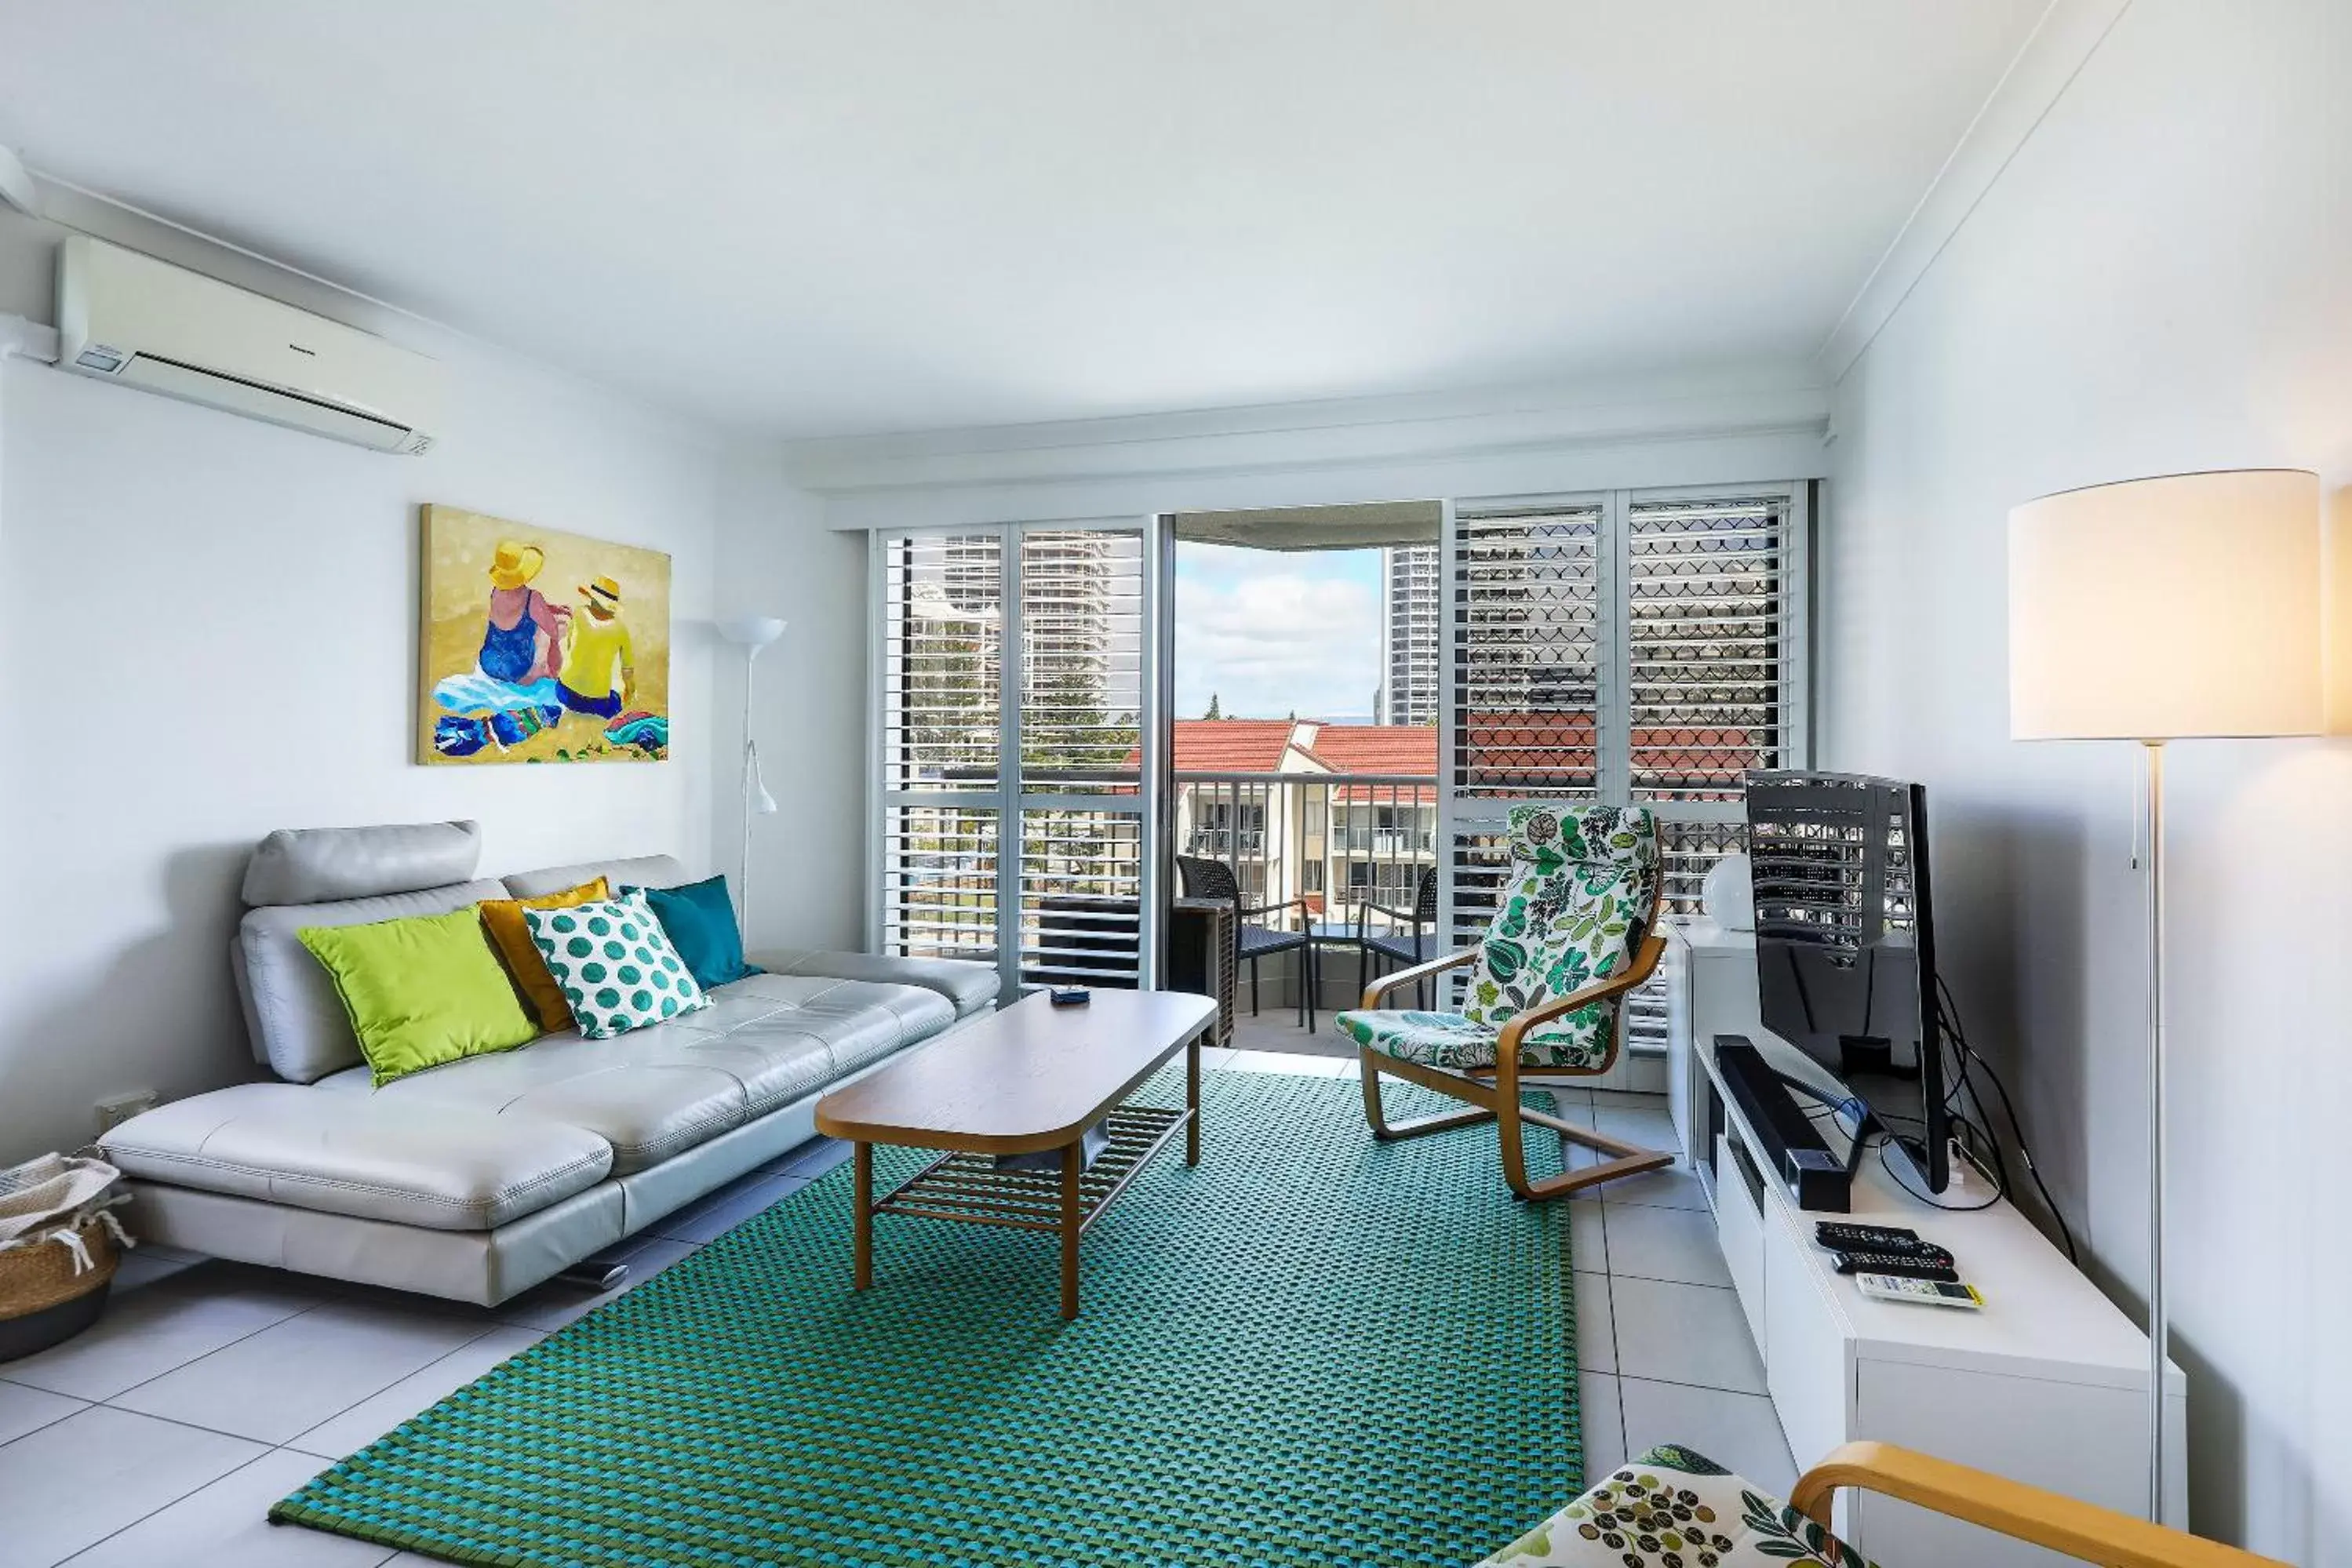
(503, 918)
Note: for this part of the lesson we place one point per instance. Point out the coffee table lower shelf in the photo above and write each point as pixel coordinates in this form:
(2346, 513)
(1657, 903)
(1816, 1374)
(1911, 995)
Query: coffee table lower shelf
(974, 1189)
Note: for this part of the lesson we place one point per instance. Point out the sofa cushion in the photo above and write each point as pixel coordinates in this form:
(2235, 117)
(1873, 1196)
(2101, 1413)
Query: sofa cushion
(615, 965)
(503, 918)
(969, 987)
(297, 1022)
(700, 918)
(422, 991)
(432, 1165)
(763, 1043)
(1673, 1506)
(321, 865)
(645, 871)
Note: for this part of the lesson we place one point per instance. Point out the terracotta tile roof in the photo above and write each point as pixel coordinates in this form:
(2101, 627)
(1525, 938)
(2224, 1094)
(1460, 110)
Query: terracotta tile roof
(1231, 745)
(1389, 748)
(1378, 748)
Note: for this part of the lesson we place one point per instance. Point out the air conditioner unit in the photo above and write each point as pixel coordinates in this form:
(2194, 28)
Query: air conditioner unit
(128, 317)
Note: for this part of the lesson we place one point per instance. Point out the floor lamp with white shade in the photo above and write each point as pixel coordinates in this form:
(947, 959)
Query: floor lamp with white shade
(2158, 609)
(751, 633)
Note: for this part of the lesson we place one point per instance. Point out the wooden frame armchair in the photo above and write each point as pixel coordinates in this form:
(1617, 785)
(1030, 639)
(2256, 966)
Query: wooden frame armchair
(1492, 1088)
(1670, 1504)
(2082, 1530)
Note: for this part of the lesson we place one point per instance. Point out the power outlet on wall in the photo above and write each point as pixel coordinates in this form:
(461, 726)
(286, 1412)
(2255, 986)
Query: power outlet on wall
(117, 1108)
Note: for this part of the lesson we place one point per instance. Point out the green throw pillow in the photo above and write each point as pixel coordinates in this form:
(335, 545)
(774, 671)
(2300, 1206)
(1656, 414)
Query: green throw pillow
(421, 990)
(615, 964)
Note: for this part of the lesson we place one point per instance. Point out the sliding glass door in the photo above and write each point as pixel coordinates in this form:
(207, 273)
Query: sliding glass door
(1625, 647)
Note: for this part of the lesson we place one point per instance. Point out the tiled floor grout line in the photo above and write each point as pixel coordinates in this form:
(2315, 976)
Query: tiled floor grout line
(1679, 1382)
(133, 1524)
(109, 1400)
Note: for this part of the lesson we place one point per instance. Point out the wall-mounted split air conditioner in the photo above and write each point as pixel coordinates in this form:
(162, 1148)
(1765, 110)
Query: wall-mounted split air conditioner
(124, 317)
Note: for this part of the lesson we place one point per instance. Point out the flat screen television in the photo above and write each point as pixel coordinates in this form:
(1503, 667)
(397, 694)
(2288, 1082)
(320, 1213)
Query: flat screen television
(1846, 949)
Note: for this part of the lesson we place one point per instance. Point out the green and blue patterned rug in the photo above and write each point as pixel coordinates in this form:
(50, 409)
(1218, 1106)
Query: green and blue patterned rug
(1311, 1349)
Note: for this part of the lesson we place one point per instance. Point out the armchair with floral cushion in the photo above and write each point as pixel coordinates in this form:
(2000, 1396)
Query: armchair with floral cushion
(1575, 930)
(1671, 1507)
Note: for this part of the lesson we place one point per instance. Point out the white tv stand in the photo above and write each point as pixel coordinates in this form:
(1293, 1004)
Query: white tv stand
(2047, 1385)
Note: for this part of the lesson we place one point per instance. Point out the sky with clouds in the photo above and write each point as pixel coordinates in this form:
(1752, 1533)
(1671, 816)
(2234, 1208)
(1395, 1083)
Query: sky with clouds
(1271, 632)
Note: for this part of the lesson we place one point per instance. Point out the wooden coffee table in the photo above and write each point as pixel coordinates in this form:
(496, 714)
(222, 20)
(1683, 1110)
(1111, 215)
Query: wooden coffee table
(1031, 1078)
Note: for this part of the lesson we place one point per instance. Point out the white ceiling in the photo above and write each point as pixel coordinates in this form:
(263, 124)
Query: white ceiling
(893, 215)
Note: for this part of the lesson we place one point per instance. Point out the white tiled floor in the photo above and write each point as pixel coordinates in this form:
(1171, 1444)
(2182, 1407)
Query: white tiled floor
(210, 1390)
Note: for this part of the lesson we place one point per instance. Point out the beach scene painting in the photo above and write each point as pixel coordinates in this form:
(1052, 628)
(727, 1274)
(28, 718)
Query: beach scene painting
(538, 645)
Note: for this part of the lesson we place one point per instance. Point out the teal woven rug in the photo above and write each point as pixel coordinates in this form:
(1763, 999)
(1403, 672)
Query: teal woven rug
(1310, 1349)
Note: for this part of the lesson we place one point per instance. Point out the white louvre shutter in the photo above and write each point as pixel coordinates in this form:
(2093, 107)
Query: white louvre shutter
(1012, 832)
(1642, 649)
(941, 659)
(1080, 884)
(1709, 691)
(1527, 662)
(1527, 651)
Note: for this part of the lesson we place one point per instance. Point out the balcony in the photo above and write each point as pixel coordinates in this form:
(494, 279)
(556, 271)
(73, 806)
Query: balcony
(1305, 845)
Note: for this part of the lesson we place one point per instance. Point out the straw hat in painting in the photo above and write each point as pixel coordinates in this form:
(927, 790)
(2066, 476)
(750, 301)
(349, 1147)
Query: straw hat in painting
(512, 564)
(602, 593)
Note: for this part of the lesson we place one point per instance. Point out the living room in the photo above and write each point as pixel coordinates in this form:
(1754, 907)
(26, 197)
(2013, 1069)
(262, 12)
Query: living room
(745, 470)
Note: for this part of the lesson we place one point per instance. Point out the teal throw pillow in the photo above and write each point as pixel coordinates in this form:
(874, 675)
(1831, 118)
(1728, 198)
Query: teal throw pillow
(615, 965)
(701, 920)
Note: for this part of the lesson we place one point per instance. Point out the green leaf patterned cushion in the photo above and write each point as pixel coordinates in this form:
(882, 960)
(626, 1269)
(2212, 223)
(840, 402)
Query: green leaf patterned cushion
(1674, 1509)
(1582, 879)
(615, 964)
(1449, 1040)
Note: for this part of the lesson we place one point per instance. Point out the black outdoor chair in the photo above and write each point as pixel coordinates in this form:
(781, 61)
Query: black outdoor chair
(1412, 940)
(1213, 879)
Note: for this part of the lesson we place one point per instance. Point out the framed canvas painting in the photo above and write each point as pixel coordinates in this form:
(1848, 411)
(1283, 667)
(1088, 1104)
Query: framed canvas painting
(537, 645)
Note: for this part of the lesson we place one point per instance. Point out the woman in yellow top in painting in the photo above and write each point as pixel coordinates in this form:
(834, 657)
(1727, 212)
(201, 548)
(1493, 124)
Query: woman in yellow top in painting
(599, 671)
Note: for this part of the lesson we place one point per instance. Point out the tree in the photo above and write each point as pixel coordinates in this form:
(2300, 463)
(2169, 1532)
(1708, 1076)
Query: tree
(1215, 710)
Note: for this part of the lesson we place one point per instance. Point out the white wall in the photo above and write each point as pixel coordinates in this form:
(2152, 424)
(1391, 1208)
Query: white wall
(209, 627)
(808, 885)
(2161, 280)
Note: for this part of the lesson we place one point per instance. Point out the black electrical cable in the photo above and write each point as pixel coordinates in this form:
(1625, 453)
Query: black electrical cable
(1929, 1198)
(1949, 1012)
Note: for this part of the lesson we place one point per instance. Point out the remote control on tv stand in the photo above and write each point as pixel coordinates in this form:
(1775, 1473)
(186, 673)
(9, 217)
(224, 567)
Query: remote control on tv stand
(1898, 1264)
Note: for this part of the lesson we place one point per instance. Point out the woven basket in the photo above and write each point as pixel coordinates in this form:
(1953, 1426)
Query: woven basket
(35, 1278)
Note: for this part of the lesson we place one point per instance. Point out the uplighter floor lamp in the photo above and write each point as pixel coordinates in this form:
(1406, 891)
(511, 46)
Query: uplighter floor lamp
(2158, 609)
(751, 633)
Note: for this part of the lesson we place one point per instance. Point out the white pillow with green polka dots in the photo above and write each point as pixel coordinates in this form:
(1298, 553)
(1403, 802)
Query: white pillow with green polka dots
(615, 964)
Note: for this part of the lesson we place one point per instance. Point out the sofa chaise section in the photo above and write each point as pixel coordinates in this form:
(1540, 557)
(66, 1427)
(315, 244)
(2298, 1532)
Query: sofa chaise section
(478, 1178)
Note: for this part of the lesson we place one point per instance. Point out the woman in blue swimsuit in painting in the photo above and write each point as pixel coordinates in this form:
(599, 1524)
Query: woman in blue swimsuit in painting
(519, 614)
(511, 694)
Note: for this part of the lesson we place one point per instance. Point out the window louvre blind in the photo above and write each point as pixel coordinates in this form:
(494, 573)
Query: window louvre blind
(1013, 837)
(942, 662)
(1082, 662)
(1638, 648)
(1081, 879)
(1704, 597)
(939, 885)
(1527, 652)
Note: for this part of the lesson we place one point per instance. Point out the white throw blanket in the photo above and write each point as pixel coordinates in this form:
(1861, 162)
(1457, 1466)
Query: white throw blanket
(52, 1199)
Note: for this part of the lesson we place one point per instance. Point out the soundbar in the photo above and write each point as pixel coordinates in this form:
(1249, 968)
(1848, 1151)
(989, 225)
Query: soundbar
(1816, 1178)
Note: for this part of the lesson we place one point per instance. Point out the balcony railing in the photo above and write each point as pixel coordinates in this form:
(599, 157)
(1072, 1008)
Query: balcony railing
(1305, 846)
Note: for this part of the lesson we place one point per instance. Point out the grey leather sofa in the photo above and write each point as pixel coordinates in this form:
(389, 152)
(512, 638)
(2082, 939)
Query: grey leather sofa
(478, 1179)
